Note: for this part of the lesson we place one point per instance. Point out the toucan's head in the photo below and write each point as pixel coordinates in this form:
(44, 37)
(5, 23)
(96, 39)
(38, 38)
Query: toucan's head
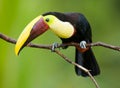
(41, 24)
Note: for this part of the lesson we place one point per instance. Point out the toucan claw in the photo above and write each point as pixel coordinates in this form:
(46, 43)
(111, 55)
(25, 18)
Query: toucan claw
(83, 44)
(54, 45)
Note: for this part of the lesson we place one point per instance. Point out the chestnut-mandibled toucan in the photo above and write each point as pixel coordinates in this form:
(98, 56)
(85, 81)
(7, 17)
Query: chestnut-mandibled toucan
(69, 27)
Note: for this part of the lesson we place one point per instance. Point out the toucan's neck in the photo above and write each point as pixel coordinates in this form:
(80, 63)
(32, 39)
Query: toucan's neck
(62, 29)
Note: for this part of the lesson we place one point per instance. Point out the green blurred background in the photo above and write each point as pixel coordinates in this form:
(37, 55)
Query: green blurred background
(37, 68)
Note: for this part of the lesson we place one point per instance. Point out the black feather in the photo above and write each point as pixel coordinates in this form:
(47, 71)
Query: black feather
(87, 60)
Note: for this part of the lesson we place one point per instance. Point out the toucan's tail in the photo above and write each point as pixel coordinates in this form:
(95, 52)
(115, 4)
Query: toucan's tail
(87, 60)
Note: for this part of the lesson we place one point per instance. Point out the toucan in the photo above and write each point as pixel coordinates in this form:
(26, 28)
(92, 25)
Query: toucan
(69, 27)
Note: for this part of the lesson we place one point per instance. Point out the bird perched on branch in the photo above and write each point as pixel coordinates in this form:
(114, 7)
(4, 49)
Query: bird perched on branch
(69, 27)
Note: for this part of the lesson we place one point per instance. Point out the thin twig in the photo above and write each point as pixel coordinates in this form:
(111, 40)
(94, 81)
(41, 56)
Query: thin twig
(13, 41)
(79, 66)
(7, 39)
(117, 48)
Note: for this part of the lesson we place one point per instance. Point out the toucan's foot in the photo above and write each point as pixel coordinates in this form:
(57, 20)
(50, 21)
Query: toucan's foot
(83, 44)
(54, 45)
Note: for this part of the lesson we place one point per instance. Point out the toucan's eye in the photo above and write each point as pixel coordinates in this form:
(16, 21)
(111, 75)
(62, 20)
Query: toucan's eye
(47, 19)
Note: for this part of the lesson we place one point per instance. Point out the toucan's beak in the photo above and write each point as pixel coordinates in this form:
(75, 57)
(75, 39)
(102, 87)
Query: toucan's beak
(31, 31)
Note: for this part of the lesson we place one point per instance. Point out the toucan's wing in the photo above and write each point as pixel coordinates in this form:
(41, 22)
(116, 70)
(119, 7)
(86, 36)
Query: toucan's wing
(87, 58)
(83, 28)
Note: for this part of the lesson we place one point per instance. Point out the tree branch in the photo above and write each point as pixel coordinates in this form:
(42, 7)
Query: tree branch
(7, 39)
(13, 41)
(10, 40)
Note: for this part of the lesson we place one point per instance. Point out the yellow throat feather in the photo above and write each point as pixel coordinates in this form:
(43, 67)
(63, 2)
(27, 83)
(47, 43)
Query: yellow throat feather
(60, 28)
